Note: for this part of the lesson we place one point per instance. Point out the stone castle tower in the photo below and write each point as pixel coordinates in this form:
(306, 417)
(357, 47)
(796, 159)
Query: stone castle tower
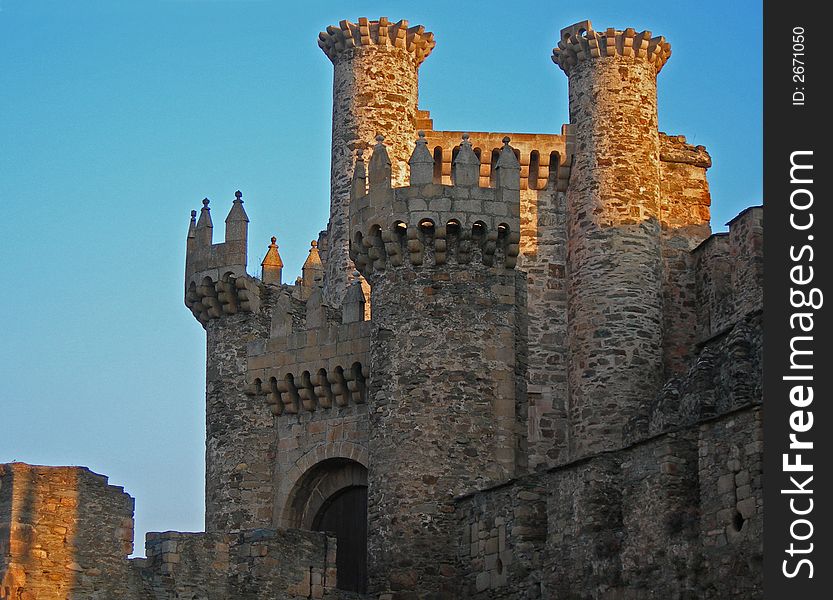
(514, 366)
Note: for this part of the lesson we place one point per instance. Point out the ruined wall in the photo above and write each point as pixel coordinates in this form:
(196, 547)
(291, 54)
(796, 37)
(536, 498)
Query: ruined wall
(375, 90)
(64, 532)
(614, 313)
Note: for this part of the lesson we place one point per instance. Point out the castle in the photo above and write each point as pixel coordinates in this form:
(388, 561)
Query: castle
(515, 366)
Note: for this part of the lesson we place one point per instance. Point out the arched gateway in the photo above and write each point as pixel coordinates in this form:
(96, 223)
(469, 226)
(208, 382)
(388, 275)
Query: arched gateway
(331, 496)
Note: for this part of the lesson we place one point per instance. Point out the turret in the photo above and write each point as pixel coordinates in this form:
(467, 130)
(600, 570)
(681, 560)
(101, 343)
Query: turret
(446, 397)
(613, 210)
(239, 430)
(375, 90)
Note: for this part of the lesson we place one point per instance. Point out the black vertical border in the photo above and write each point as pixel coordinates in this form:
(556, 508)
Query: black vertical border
(789, 128)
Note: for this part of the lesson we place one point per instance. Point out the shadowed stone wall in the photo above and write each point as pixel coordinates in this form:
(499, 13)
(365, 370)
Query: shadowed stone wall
(448, 353)
(259, 564)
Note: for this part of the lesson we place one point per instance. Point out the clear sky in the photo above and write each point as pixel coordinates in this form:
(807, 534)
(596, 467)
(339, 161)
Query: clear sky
(117, 118)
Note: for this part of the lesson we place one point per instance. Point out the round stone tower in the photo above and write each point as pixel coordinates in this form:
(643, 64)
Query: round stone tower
(375, 91)
(446, 395)
(613, 253)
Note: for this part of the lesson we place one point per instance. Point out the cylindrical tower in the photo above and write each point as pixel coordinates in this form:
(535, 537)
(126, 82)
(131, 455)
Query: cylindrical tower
(374, 91)
(613, 254)
(446, 396)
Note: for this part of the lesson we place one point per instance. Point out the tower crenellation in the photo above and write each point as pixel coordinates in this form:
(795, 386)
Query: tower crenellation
(348, 36)
(579, 42)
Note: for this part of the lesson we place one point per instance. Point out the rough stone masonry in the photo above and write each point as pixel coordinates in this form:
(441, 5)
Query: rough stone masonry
(515, 366)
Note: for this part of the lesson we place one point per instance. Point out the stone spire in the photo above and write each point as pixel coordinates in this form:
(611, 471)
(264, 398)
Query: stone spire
(359, 185)
(237, 221)
(465, 170)
(272, 265)
(421, 162)
(379, 171)
(192, 231)
(313, 269)
(204, 228)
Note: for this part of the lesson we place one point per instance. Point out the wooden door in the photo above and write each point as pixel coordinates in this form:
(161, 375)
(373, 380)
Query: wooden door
(345, 515)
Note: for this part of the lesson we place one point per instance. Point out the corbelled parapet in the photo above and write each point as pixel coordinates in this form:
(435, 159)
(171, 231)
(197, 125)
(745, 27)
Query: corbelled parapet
(303, 373)
(432, 224)
(375, 90)
(348, 36)
(216, 282)
(580, 43)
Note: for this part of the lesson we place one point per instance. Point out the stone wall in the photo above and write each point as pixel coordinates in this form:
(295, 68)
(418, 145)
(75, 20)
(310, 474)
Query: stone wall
(240, 433)
(501, 540)
(731, 506)
(678, 515)
(64, 532)
(257, 564)
(544, 172)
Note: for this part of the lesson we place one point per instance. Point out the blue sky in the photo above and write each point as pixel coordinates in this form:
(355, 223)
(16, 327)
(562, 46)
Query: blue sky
(117, 118)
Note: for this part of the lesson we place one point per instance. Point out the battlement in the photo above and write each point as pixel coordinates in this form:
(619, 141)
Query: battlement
(579, 43)
(205, 258)
(430, 223)
(227, 295)
(545, 159)
(382, 33)
(216, 282)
